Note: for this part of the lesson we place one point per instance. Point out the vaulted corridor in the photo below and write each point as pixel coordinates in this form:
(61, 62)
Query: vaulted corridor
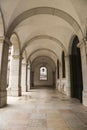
(43, 64)
(43, 109)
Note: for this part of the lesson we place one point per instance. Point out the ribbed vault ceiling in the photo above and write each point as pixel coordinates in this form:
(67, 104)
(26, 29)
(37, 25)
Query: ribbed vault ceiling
(58, 19)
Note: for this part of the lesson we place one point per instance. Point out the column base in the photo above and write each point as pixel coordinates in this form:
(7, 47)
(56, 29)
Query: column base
(3, 98)
(24, 89)
(15, 92)
(85, 98)
(8, 91)
(28, 88)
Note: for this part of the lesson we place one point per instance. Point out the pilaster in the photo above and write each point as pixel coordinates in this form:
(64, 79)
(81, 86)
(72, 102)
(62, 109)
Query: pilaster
(23, 77)
(4, 47)
(83, 48)
(28, 77)
(14, 84)
(67, 66)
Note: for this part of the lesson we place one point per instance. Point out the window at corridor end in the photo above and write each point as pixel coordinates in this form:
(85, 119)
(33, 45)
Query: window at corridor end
(43, 73)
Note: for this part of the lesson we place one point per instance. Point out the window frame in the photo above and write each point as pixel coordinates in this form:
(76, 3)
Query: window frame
(46, 75)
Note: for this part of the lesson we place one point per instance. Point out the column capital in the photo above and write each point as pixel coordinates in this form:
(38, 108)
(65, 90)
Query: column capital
(7, 41)
(24, 64)
(82, 43)
(66, 56)
(16, 56)
(28, 66)
(21, 56)
(1, 39)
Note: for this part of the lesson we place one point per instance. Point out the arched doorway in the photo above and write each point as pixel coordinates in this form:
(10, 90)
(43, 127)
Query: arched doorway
(76, 71)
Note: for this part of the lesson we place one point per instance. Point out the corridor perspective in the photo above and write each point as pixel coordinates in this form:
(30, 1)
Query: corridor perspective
(43, 64)
(43, 109)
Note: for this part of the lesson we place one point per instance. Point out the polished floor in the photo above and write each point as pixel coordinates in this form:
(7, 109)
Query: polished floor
(43, 109)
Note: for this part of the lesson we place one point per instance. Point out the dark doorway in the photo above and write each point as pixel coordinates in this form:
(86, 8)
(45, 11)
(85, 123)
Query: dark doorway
(76, 71)
(58, 70)
(63, 65)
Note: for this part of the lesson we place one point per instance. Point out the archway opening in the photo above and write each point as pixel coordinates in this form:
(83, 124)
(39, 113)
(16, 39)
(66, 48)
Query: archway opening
(43, 73)
(76, 71)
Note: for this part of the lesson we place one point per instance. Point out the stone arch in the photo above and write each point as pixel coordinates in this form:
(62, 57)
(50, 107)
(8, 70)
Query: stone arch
(45, 10)
(35, 51)
(70, 44)
(44, 37)
(40, 50)
(85, 30)
(37, 63)
(50, 59)
(43, 52)
(15, 41)
(2, 24)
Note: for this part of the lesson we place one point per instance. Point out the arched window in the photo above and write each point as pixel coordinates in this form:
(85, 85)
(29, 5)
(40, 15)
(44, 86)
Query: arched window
(58, 69)
(43, 73)
(63, 64)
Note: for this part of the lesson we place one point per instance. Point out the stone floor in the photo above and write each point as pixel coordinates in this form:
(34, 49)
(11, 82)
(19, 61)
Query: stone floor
(44, 109)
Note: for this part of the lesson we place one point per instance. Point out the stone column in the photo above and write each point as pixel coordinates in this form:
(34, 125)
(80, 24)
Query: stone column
(60, 75)
(67, 69)
(4, 47)
(15, 83)
(23, 78)
(28, 77)
(83, 47)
